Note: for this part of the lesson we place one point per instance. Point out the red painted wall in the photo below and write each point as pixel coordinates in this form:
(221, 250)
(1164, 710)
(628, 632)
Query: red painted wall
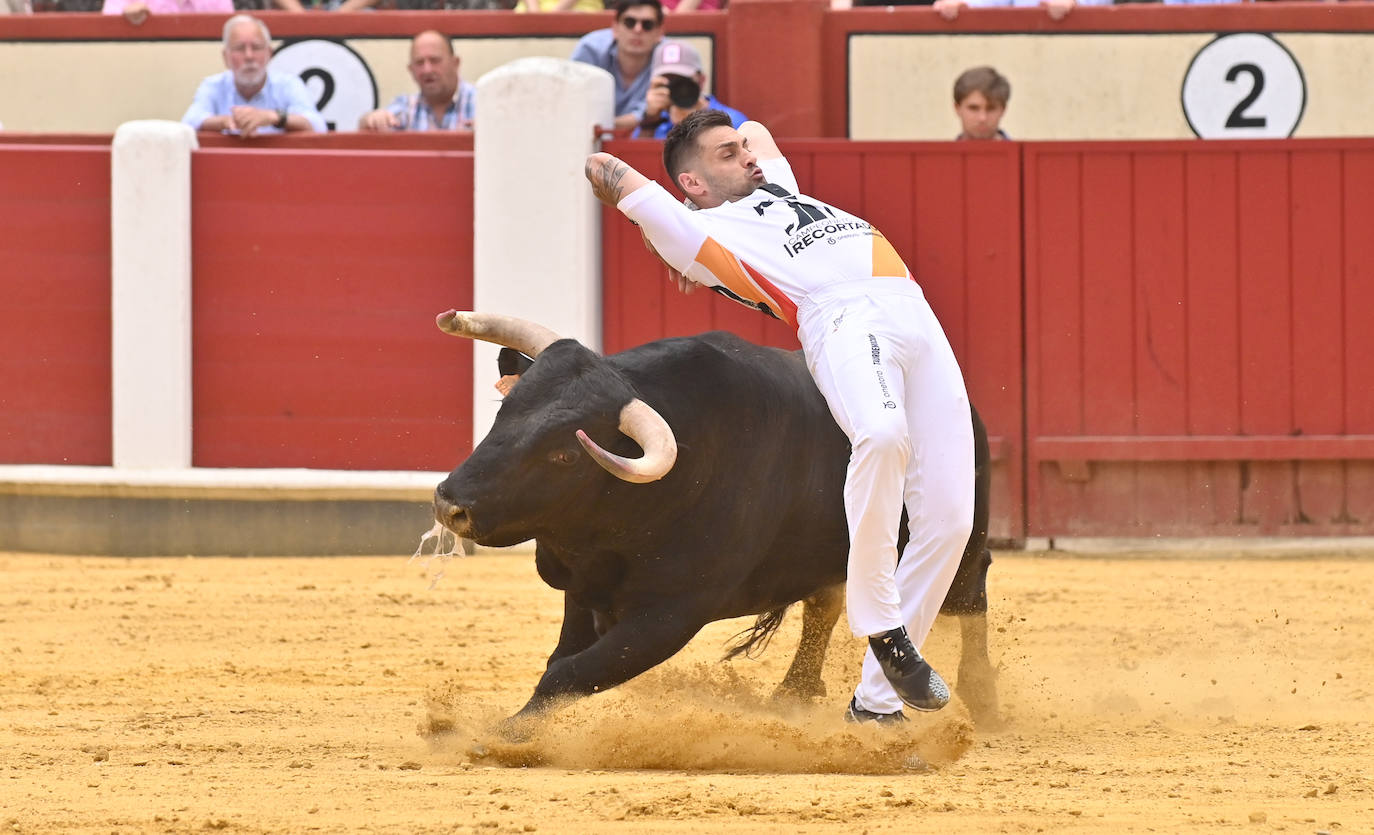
(952, 210)
(1198, 341)
(317, 276)
(55, 315)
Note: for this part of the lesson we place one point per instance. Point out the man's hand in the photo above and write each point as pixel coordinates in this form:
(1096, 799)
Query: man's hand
(378, 120)
(136, 12)
(248, 119)
(656, 101)
(1058, 9)
(948, 9)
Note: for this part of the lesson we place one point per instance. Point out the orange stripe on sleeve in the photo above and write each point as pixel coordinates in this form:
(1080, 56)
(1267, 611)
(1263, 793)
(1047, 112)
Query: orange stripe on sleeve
(730, 271)
(886, 261)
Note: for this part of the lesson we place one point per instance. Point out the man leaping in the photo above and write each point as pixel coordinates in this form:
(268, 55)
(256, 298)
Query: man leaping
(875, 350)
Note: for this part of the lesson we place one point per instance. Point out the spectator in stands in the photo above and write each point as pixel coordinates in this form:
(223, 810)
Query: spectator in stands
(627, 51)
(445, 101)
(15, 7)
(1058, 9)
(560, 6)
(675, 91)
(693, 5)
(247, 98)
(137, 11)
(980, 101)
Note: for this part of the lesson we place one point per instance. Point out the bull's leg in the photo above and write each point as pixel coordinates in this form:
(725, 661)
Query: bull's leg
(635, 643)
(578, 632)
(968, 599)
(820, 611)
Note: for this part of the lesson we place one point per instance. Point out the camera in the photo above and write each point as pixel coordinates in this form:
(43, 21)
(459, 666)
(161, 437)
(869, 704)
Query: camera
(684, 92)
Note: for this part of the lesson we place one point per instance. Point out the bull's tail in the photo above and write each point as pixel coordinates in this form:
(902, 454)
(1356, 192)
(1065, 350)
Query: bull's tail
(753, 641)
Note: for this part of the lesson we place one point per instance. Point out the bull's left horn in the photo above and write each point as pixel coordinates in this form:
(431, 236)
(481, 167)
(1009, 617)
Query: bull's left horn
(639, 421)
(530, 338)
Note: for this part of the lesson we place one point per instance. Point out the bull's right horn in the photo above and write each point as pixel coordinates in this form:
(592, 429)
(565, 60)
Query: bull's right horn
(647, 427)
(524, 336)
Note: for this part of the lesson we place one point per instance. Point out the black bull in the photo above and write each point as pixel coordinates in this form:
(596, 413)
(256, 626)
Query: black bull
(749, 520)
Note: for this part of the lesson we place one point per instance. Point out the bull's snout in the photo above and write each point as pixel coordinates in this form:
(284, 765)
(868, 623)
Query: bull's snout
(453, 515)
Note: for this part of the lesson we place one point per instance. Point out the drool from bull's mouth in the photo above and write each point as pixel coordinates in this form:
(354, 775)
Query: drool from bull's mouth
(439, 534)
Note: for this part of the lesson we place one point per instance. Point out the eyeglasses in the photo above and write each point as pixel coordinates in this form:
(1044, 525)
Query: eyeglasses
(645, 24)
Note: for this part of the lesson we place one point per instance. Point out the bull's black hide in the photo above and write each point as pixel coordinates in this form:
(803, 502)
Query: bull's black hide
(749, 520)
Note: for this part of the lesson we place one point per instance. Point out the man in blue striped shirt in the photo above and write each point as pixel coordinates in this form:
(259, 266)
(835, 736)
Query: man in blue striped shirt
(445, 101)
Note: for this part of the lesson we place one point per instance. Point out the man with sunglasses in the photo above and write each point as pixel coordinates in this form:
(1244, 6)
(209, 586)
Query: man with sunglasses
(627, 51)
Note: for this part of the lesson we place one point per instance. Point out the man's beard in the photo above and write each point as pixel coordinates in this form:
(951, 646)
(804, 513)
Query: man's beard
(254, 77)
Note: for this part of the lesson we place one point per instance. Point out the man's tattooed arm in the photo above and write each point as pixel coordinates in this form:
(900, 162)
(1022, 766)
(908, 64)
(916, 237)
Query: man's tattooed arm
(611, 179)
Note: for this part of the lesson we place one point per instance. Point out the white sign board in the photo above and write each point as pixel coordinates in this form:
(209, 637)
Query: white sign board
(1244, 86)
(337, 78)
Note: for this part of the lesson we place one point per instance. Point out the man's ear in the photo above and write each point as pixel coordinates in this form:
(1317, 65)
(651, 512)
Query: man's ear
(690, 183)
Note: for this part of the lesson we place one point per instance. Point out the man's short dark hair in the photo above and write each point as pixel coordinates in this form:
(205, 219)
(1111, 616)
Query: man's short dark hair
(623, 6)
(680, 149)
(994, 87)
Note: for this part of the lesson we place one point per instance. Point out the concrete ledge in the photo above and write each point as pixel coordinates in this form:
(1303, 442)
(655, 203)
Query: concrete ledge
(206, 483)
(1207, 547)
(212, 512)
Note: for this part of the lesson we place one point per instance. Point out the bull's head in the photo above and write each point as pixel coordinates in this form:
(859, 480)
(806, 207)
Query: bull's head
(514, 454)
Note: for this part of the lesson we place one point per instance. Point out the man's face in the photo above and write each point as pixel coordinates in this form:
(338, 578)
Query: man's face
(434, 69)
(247, 54)
(979, 116)
(637, 31)
(725, 168)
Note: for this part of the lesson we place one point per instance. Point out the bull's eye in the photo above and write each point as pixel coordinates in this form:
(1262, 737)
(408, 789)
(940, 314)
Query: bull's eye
(564, 456)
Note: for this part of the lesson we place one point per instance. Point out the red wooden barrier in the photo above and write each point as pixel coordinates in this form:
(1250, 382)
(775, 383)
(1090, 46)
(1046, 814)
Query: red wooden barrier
(952, 210)
(1198, 344)
(55, 319)
(317, 276)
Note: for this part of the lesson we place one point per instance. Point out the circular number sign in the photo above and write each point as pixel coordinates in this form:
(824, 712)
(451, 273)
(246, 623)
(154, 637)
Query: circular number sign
(337, 79)
(1244, 86)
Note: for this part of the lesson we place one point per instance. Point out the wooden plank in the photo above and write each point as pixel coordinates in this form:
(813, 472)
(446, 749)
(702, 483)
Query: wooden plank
(1316, 285)
(1203, 447)
(1266, 367)
(938, 234)
(1109, 399)
(1161, 346)
(1358, 360)
(1054, 371)
(1210, 311)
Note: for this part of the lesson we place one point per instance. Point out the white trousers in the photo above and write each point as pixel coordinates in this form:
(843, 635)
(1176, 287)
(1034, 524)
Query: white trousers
(893, 385)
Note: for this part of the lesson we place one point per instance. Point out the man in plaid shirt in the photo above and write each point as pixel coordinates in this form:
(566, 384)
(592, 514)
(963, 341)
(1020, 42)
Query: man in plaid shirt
(445, 102)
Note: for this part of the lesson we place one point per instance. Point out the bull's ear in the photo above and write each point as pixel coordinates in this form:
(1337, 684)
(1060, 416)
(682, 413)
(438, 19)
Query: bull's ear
(511, 362)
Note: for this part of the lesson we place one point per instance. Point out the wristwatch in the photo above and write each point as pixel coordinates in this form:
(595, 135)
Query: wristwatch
(281, 119)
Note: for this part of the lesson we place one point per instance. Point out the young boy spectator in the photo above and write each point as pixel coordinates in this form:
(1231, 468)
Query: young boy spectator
(980, 101)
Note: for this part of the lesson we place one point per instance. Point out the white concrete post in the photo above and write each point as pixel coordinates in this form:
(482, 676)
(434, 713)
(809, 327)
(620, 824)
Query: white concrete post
(537, 247)
(150, 219)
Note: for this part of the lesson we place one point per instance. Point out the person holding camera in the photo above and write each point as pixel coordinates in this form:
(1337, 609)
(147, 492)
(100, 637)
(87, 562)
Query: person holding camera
(675, 92)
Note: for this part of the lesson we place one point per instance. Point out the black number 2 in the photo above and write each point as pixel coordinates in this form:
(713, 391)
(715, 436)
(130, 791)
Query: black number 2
(1238, 119)
(328, 92)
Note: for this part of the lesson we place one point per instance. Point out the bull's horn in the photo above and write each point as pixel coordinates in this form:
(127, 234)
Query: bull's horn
(524, 336)
(647, 427)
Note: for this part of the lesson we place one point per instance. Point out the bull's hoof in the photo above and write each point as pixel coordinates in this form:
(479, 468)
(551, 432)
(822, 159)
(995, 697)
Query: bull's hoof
(799, 692)
(518, 728)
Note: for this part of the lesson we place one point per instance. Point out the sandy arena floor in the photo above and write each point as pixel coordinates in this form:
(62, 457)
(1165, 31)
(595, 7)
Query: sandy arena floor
(292, 695)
